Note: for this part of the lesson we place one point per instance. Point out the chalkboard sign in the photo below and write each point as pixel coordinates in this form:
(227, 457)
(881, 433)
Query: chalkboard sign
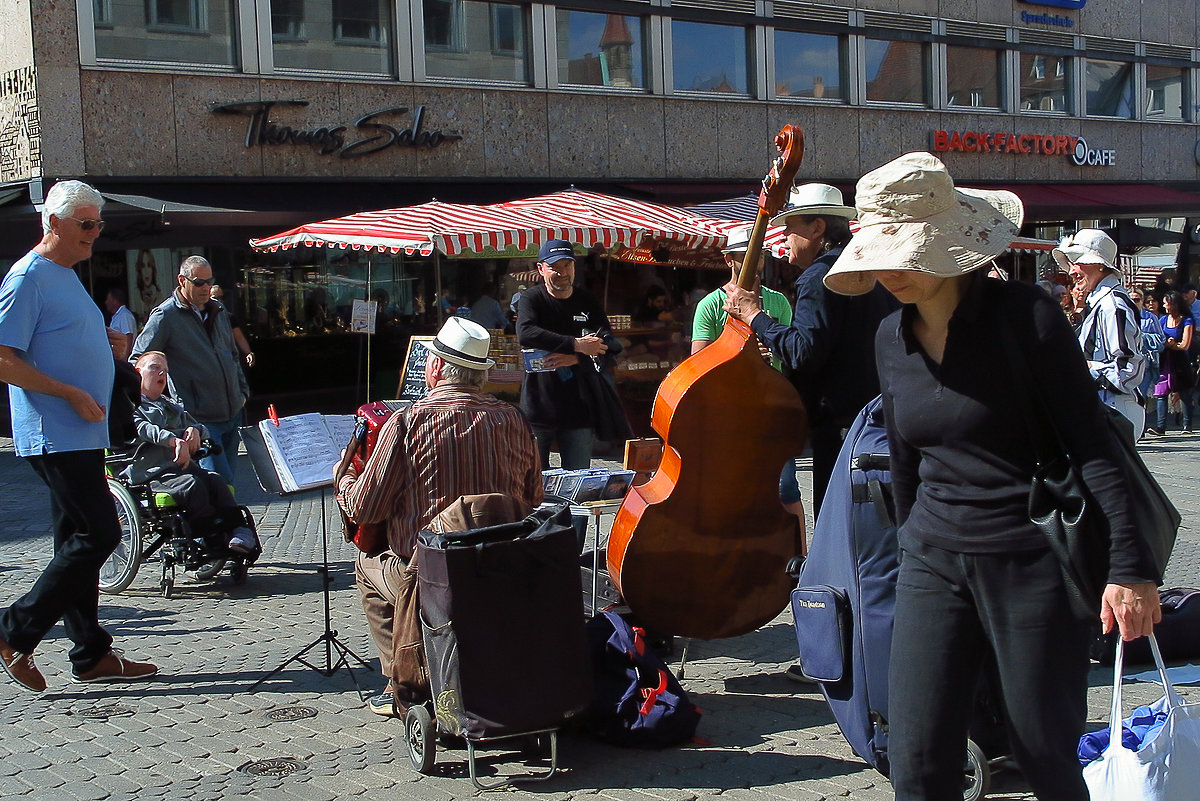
(412, 377)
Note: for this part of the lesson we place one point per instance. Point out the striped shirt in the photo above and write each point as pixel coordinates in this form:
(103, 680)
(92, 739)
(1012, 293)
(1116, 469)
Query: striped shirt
(1111, 338)
(454, 441)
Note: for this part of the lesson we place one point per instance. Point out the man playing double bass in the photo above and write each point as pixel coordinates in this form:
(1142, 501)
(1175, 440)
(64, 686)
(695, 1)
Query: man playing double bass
(829, 348)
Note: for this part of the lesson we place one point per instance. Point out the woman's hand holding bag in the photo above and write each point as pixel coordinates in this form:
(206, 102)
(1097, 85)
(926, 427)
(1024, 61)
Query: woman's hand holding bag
(1166, 767)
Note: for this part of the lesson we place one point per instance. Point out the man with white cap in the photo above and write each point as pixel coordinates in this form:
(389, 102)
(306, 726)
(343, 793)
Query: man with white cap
(829, 345)
(1111, 334)
(455, 441)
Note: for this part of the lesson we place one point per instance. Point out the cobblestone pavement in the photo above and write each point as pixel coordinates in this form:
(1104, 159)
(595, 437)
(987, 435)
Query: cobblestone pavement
(189, 733)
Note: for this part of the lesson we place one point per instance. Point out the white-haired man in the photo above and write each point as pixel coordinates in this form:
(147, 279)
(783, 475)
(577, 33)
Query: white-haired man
(58, 361)
(1111, 334)
(194, 331)
(455, 441)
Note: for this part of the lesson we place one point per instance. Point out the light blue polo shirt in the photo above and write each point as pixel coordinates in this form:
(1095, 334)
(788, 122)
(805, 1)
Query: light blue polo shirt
(47, 315)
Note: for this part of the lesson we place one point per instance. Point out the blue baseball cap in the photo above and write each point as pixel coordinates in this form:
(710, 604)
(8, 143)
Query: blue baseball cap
(553, 250)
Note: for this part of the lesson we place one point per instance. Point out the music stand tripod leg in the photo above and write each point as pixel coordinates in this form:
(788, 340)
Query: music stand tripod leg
(329, 636)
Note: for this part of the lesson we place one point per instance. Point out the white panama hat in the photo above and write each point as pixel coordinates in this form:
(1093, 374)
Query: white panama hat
(738, 240)
(1086, 246)
(912, 217)
(464, 343)
(817, 199)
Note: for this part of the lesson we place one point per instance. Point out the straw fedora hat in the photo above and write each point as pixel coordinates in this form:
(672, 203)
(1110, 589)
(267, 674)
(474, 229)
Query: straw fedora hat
(814, 199)
(1087, 246)
(464, 343)
(912, 217)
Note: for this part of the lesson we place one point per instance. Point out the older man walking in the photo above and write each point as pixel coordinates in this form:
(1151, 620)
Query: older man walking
(1111, 333)
(194, 332)
(59, 365)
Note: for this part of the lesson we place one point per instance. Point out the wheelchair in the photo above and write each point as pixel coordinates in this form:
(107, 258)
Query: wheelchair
(152, 522)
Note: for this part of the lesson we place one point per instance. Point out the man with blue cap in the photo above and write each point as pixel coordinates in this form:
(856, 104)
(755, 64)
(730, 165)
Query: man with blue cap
(568, 322)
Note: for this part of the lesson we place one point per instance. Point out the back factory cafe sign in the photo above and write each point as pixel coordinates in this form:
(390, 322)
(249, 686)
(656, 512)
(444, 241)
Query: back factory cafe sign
(1074, 147)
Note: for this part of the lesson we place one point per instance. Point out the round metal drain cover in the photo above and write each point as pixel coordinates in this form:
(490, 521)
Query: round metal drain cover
(280, 766)
(291, 713)
(104, 712)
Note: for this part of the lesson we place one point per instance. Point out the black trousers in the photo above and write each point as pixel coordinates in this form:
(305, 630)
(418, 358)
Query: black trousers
(952, 610)
(826, 442)
(86, 532)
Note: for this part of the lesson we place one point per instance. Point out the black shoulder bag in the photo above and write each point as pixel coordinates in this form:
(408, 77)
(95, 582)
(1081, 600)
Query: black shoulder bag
(1063, 509)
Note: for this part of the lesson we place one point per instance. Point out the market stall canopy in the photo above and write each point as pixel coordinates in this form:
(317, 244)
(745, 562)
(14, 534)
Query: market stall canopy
(587, 219)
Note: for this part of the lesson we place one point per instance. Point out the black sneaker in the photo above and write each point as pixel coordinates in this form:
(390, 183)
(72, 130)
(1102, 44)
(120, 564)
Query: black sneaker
(383, 704)
(796, 674)
(1153, 432)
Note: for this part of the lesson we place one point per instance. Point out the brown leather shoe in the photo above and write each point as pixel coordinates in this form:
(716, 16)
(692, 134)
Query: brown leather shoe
(20, 666)
(114, 667)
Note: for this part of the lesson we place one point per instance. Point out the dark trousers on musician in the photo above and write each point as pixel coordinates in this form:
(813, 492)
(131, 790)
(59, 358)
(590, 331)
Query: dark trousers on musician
(952, 611)
(86, 530)
(826, 442)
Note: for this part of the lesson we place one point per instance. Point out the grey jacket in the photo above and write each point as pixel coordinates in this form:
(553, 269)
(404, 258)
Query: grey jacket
(158, 422)
(202, 357)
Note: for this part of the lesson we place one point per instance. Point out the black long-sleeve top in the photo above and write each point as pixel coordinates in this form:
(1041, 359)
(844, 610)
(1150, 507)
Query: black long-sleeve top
(552, 399)
(829, 347)
(962, 451)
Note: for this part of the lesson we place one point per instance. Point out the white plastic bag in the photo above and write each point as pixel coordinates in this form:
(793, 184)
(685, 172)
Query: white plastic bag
(1166, 767)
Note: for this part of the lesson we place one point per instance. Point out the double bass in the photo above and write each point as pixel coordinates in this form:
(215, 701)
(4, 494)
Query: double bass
(701, 549)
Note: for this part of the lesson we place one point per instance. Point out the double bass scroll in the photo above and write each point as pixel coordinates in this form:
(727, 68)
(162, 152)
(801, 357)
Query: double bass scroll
(701, 549)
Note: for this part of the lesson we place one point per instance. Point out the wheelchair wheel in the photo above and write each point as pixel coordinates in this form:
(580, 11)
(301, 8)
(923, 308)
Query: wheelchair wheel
(209, 570)
(118, 572)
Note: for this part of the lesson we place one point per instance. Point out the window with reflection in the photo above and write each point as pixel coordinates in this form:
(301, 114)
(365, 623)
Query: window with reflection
(808, 65)
(1109, 88)
(102, 12)
(342, 36)
(1164, 92)
(472, 39)
(599, 49)
(1044, 82)
(897, 71)
(177, 31)
(973, 77)
(287, 19)
(709, 58)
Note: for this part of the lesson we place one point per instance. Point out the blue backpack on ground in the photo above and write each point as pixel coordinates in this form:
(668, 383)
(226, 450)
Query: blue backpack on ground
(638, 702)
(845, 600)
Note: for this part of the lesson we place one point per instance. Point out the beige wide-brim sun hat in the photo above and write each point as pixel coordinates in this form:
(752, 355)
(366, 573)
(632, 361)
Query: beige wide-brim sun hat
(912, 217)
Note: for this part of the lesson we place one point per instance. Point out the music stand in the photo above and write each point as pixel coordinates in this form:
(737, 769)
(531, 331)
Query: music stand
(268, 479)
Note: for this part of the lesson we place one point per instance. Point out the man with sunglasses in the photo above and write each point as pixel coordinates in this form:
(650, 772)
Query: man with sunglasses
(194, 331)
(59, 364)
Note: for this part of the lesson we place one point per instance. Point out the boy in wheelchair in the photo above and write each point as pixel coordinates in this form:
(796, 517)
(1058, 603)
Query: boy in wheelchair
(168, 438)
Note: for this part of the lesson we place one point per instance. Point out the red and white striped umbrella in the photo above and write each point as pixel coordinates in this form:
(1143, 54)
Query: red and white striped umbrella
(584, 218)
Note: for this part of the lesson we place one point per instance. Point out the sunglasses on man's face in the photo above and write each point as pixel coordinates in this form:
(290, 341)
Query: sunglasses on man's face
(201, 281)
(88, 225)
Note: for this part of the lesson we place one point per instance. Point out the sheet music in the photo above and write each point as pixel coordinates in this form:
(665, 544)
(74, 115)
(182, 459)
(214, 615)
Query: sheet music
(303, 448)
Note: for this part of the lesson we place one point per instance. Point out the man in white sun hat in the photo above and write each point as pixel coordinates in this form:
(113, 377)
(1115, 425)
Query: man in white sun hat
(829, 345)
(455, 441)
(1111, 334)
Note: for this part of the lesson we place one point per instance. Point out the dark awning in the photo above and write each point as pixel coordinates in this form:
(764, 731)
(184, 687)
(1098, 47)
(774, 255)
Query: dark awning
(1047, 202)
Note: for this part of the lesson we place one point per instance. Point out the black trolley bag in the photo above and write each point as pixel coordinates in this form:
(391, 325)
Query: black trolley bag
(503, 627)
(845, 599)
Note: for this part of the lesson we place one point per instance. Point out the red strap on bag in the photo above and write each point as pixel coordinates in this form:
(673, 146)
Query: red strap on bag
(651, 694)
